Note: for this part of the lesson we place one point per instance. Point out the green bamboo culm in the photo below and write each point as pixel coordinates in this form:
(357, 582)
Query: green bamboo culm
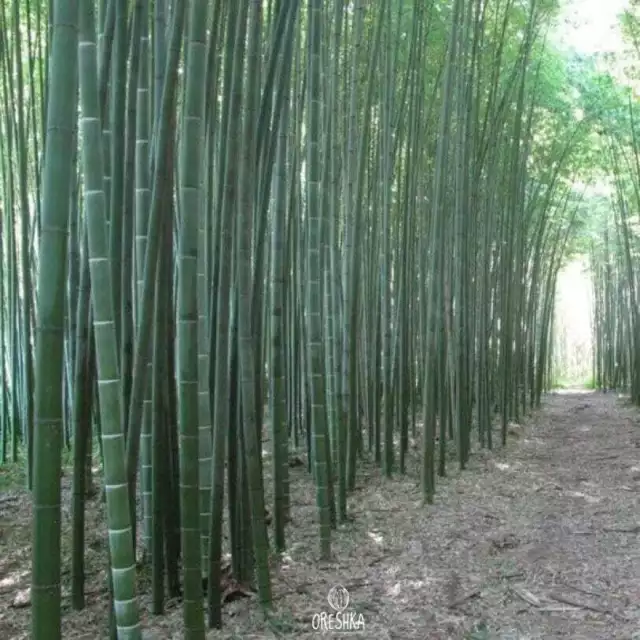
(187, 324)
(249, 441)
(314, 284)
(56, 194)
(113, 443)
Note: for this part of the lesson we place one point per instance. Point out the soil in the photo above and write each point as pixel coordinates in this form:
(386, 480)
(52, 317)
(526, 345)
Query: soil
(540, 540)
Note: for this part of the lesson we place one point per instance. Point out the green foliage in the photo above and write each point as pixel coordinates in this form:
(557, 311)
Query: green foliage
(282, 624)
(12, 475)
(479, 632)
(630, 24)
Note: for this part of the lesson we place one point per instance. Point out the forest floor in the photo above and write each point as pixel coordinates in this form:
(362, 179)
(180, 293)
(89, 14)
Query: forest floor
(540, 540)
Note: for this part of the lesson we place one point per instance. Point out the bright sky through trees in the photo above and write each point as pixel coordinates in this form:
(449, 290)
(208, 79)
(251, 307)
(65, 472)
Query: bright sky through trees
(573, 322)
(590, 26)
(585, 27)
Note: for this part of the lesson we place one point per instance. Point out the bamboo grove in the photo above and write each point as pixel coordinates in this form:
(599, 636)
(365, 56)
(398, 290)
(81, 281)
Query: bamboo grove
(613, 239)
(614, 257)
(238, 231)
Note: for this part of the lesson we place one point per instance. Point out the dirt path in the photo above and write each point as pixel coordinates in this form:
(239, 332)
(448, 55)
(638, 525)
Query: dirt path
(539, 541)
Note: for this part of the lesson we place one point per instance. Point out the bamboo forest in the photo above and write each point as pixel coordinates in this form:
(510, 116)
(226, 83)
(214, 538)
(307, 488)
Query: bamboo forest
(320, 318)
